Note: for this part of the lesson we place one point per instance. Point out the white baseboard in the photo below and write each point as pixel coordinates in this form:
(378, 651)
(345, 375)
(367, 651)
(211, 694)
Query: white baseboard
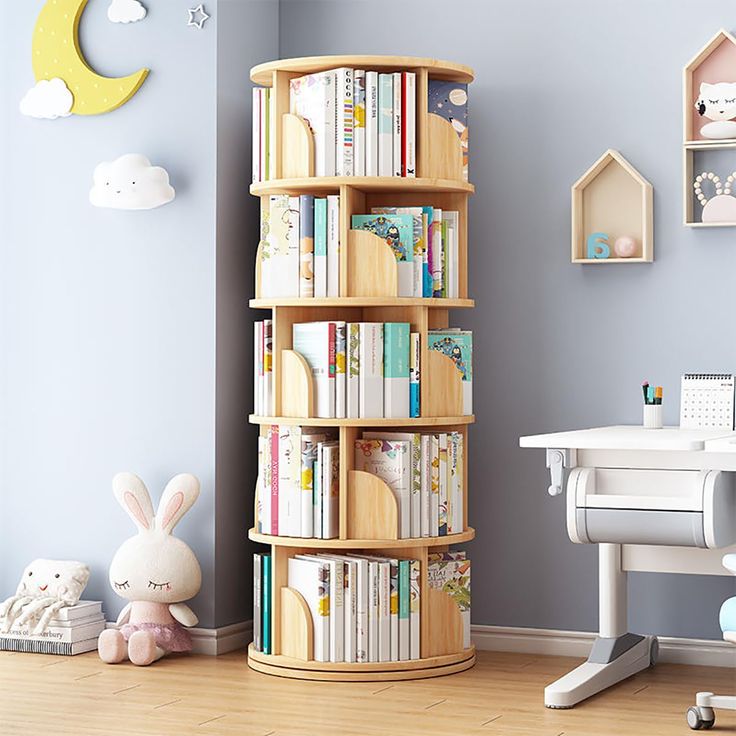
(707, 652)
(223, 639)
(217, 641)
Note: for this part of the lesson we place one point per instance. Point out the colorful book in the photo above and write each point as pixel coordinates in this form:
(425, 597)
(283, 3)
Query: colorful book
(353, 370)
(398, 232)
(404, 610)
(408, 128)
(311, 578)
(266, 624)
(273, 434)
(315, 342)
(428, 227)
(336, 602)
(320, 247)
(396, 133)
(340, 369)
(370, 381)
(344, 121)
(426, 484)
(449, 100)
(418, 241)
(306, 245)
(309, 446)
(458, 346)
(266, 401)
(450, 571)
(289, 481)
(330, 487)
(443, 477)
(313, 98)
(333, 245)
(394, 608)
(415, 352)
(359, 122)
(371, 124)
(389, 460)
(258, 367)
(257, 598)
(437, 253)
(396, 349)
(279, 251)
(385, 124)
(434, 487)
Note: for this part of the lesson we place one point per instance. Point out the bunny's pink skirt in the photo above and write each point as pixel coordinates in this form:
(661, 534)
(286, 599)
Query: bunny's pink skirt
(171, 637)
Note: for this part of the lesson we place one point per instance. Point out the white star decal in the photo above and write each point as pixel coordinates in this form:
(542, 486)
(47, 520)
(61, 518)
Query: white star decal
(197, 16)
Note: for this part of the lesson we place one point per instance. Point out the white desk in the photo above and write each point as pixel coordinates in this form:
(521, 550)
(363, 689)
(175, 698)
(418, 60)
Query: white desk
(608, 451)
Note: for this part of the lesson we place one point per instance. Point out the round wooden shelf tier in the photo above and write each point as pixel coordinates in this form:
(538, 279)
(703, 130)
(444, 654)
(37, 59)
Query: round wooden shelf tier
(416, 669)
(368, 508)
(310, 542)
(326, 184)
(374, 422)
(364, 301)
(263, 73)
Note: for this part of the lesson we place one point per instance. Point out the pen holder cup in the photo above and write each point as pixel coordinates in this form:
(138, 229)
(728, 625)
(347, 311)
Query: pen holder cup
(652, 416)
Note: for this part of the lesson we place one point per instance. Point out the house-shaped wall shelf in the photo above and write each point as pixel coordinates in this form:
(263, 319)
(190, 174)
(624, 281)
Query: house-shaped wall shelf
(614, 199)
(714, 63)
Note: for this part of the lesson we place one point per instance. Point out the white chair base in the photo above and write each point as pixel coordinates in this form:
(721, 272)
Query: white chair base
(701, 715)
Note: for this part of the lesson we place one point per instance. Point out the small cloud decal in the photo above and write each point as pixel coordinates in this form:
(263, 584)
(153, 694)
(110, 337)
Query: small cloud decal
(125, 11)
(48, 99)
(130, 183)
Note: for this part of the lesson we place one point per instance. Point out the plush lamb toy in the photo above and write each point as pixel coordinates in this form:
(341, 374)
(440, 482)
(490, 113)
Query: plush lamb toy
(155, 572)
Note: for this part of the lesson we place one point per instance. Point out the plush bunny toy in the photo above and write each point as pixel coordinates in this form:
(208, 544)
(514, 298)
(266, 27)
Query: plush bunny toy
(155, 572)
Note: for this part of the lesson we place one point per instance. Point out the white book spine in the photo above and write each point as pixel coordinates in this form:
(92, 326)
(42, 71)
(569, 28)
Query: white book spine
(333, 245)
(384, 612)
(289, 481)
(373, 611)
(337, 612)
(434, 496)
(397, 123)
(385, 124)
(426, 484)
(414, 609)
(444, 484)
(331, 491)
(410, 136)
(60, 634)
(312, 341)
(273, 123)
(460, 486)
(256, 140)
(350, 605)
(344, 122)
(363, 598)
(359, 122)
(437, 252)
(257, 364)
(263, 126)
(371, 370)
(317, 506)
(312, 98)
(83, 609)
(308, 577)
(267, 407)
(371, 124)
(353, 370)
(394, 608)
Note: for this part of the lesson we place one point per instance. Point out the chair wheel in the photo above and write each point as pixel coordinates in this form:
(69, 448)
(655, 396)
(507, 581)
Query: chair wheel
(696, 721)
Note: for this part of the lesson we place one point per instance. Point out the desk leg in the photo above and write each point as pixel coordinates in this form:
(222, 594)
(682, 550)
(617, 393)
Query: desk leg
(616, 654)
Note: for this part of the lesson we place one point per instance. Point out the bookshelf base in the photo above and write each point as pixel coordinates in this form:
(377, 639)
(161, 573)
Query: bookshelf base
(280, 666)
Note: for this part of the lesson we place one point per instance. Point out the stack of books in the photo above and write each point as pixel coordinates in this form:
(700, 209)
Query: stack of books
(425, 473)
(361, 369)
(457, 345)
(263, 367)
(298, 482)
(450, 571)
(299, 247)
(425, 242)
(74, 630)
(364, 608)
(363, 122)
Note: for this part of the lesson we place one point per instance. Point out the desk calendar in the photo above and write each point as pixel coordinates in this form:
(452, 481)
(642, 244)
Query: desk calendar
(707, 401)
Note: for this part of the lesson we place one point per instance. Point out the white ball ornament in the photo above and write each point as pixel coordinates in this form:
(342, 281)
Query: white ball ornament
(625, 246)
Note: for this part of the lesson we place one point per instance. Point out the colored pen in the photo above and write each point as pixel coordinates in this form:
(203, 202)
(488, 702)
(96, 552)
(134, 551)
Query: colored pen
(650, 394)
(644, 388)
(658, 395)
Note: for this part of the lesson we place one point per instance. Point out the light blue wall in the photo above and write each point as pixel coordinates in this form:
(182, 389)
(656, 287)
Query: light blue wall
(108, 333)
(560, 346)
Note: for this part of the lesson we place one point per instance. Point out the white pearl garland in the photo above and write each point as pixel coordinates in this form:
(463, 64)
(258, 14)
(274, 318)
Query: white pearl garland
(709, 175)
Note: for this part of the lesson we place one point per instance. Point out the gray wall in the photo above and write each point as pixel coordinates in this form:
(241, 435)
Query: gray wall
(559, 346)
(115, 325)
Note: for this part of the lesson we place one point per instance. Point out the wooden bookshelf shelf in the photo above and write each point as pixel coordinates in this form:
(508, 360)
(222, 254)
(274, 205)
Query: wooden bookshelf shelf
(263, 73)
(357, 544)
(364, 301)
(332, 184)
(368, 284)
(417, 669)
(417, 422)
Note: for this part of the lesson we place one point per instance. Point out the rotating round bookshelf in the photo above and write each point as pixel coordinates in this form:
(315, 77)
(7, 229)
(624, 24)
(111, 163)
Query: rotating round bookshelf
(368, 292)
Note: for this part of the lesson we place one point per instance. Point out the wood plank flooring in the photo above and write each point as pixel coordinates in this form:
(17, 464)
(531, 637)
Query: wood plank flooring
(80, 696)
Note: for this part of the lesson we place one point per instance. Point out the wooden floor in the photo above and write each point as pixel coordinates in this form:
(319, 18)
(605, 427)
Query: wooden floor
(48, 696)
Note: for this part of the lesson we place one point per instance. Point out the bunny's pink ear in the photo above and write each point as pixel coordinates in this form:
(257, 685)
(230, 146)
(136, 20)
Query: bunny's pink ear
(132, 495)
(178, 497)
